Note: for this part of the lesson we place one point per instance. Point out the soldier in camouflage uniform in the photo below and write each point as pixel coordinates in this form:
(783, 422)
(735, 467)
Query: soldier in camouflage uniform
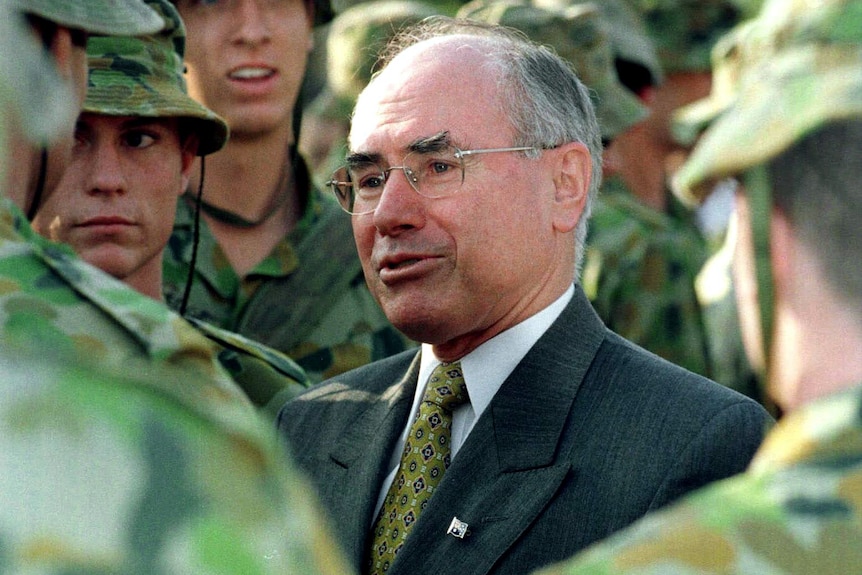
(108, 473)
(137, 107)
(645, 247)
(714, 283)
(791, 136)
(579, 35)
(51, 298)
(134, 468)
(276, 260)
(63, 30)
(354, 38)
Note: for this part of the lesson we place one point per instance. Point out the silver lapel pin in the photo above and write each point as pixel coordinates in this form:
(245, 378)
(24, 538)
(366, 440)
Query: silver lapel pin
(457, 528)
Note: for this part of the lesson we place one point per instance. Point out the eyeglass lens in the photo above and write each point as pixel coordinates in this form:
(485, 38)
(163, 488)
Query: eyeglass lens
(434, 174)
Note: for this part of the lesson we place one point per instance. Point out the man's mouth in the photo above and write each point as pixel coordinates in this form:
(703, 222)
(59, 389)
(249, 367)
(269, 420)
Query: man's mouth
(251, 73)
(106, 221)
(402, 263)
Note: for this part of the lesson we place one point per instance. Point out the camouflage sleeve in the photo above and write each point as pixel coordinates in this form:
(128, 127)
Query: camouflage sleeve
(268, 377)
(347, 333)
(353, 332)
(54, 300)
(709, 533)
(735, 528)
(106, 473)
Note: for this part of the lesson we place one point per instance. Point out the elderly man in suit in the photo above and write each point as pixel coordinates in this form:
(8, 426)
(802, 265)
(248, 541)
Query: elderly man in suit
(524, 429)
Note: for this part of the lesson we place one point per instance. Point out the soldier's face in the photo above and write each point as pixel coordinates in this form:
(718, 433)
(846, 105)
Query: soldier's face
(678, 89)
(116, 202)
(246, 59)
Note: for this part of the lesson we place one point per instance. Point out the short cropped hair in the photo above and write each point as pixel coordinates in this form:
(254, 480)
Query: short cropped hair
(816, 184)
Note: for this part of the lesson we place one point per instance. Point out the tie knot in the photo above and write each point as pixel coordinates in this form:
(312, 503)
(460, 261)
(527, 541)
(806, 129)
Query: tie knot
(446, 386)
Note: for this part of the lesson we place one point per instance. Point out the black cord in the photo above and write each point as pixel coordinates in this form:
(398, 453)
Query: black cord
(196, 236)
(40, 186)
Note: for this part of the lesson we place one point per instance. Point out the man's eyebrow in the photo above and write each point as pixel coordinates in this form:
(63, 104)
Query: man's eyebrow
(359, 158)
(433, 143)
(423, 145)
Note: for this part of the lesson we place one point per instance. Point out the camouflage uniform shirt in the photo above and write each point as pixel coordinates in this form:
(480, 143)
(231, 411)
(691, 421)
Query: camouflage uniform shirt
(52, 299)
(639, 273)
(268, 377)
(342, 327)
(139, 473)
(797, 510)
(124, 445)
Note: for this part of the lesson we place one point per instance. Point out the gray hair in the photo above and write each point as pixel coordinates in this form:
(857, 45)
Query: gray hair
(816, 185)
(547, 105)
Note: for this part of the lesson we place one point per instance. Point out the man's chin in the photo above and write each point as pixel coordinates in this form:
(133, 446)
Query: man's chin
(252, 123)
(112, 261)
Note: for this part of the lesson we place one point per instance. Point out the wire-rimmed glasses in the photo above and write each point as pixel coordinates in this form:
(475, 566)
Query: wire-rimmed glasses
(437, 173)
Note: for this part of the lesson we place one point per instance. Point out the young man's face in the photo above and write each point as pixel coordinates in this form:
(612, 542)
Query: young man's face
(116, 202)
(246, 59)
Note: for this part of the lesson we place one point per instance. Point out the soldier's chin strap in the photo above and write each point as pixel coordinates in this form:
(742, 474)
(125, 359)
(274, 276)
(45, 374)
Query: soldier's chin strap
(40, 185)
(196, 236)
(758, 190)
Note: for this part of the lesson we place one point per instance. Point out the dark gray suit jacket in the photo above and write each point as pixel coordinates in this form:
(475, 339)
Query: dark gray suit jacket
(589, 433)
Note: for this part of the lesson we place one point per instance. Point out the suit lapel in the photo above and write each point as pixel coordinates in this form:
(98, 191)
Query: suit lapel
(508, 469)
(360, 459)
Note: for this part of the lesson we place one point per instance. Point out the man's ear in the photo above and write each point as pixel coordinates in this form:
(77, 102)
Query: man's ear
(572, 176)
(781, 245)
(188, 153)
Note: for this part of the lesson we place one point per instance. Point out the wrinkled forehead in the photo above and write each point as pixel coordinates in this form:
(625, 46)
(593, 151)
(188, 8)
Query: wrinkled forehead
(439, 85)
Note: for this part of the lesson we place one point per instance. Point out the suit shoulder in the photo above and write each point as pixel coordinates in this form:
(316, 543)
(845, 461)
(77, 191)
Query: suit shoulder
(631, 369)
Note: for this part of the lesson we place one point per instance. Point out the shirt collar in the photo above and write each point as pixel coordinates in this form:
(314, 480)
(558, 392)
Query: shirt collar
(487, 367)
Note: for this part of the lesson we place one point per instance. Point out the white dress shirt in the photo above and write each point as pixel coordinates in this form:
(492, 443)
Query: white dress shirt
(485, 369)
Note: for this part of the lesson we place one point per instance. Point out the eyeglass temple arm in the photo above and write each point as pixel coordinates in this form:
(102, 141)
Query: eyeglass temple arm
(462, 153)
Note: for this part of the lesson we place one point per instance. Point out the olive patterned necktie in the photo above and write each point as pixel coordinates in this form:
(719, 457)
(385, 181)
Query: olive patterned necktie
(425, 457)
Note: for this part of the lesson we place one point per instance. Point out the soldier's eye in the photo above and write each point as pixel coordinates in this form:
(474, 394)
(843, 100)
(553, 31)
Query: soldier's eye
(139, 139)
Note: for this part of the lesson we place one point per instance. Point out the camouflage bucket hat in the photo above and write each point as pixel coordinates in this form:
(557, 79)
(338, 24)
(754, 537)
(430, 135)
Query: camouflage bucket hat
(732, 54)
(630, 40)
(115, 17)
(355, 38)
(685, 31)
(812, 77)
(143, 77)
(30, 87)
(577, 35)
